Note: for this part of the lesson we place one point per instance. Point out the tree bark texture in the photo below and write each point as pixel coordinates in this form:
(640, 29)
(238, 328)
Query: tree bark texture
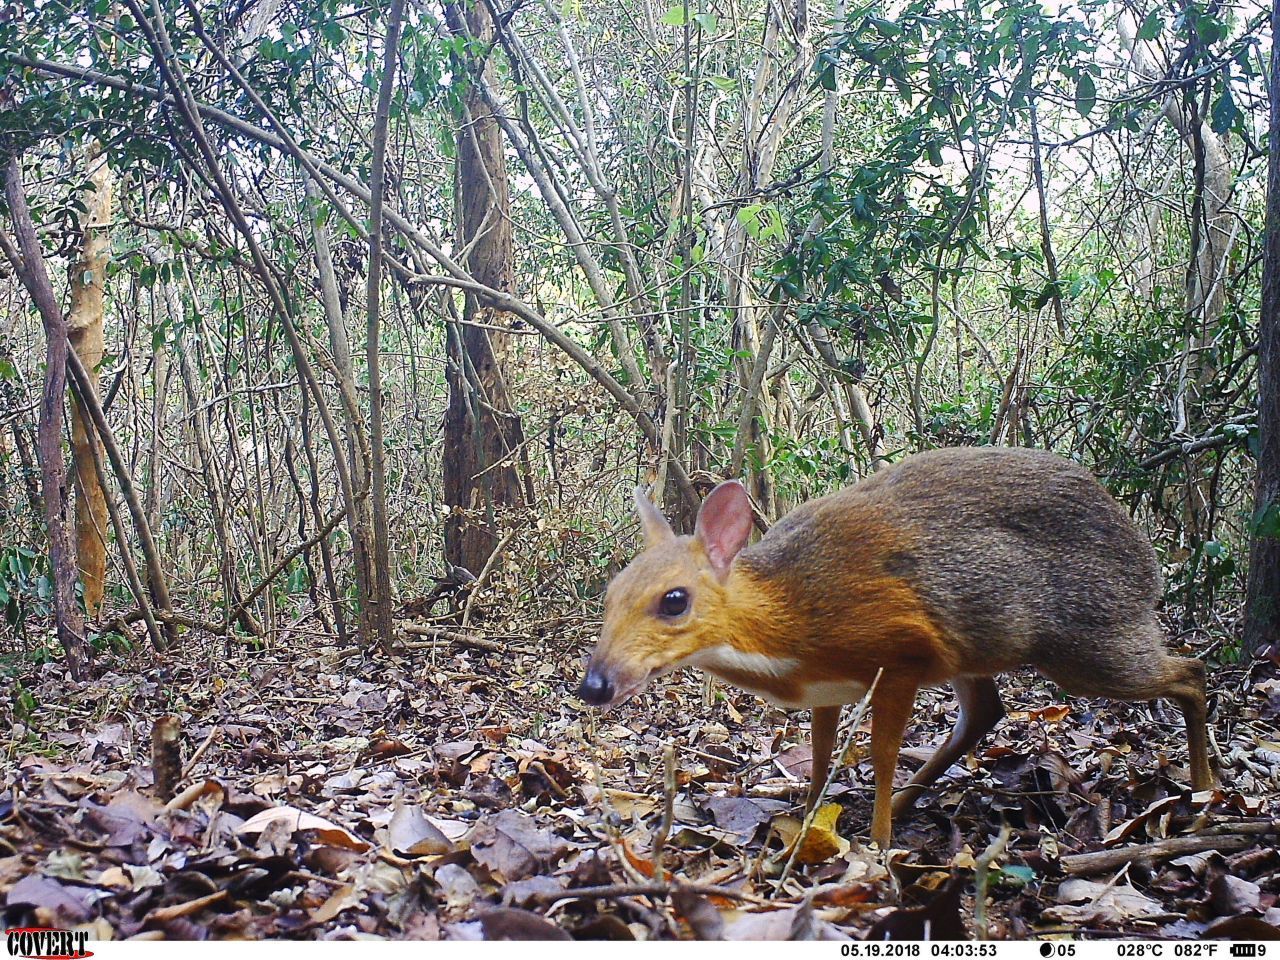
(85, 333)
(380, 600)
(482, 434)
(1262, 604)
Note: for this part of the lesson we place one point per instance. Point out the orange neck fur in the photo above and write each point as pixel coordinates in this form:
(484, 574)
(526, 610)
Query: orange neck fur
(856, 628)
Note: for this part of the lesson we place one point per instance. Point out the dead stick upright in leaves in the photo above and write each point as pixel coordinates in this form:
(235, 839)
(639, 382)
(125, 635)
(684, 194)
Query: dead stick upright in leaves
(166, 763)
(982, 878)
(668, 809)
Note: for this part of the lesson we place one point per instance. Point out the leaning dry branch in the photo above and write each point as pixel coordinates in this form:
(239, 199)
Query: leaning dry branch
(126, 554)
(1220, 436)
(27, 258)
(280, 566)
(455, 636)
(151, 554)
(380, 597)
(982, 877)
(1241, 837)
(668, 810)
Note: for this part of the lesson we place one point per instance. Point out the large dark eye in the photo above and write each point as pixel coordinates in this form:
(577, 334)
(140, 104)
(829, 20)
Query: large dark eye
(674, 602)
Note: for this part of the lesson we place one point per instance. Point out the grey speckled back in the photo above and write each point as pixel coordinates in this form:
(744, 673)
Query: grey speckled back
(1020, 555)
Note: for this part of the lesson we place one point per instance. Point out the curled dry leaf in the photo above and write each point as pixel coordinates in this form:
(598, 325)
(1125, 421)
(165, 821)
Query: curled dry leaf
(1089, 902)
(703, 918)
(344, 898)
(197, 790)
(821, 843)
(1125, 830)
(411, 834)
(326, 831)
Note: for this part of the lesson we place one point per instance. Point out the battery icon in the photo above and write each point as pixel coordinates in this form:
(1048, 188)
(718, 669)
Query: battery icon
(1244, 949)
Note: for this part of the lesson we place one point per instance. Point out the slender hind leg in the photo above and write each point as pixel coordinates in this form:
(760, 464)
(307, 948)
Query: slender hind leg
(1185, 687)
(1138, 668)
(980, 711)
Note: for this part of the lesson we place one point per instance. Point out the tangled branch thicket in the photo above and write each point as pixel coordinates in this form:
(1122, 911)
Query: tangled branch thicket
(783, 242)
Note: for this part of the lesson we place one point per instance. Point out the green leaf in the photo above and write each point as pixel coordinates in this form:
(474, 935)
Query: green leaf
(748, 218)
(1225, 114)
(1265, 524)
(1014, 876)
(1211, 29)
(886, 28)
(707, 21)
(674, 17)
(1151, 26)
(1086, 95)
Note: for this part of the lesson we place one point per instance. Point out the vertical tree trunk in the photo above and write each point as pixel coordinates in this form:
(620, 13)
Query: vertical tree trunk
(380, 601)
(84, 331)
(482, 434)
(28, 263)
(358, 521)
(1262, 606)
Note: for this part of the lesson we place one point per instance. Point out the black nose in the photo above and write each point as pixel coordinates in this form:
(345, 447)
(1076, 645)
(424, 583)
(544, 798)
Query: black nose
(596, 688)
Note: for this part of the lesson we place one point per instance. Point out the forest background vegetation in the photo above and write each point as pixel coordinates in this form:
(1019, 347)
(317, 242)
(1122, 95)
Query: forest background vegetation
(364, 311)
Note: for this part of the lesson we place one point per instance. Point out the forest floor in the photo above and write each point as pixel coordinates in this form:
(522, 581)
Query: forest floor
(464, 793)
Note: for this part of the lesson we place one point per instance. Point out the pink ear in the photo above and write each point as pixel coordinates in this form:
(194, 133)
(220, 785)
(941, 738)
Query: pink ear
(656, 528)
(724, 523)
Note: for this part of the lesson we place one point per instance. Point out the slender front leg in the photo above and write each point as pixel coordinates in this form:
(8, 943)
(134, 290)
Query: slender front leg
(825, 721)
(891, 707)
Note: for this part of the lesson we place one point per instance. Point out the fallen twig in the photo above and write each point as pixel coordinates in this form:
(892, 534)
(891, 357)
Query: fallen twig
(200, 751)
(609, 891)
(173, 912)
(1241, 836)
(455, 636)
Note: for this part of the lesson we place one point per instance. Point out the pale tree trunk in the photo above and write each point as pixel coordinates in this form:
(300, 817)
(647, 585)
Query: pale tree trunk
(85, 334)
(359, 522)
(483, 435)
(1213, 231)
(1262, 606)
(765, 122)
